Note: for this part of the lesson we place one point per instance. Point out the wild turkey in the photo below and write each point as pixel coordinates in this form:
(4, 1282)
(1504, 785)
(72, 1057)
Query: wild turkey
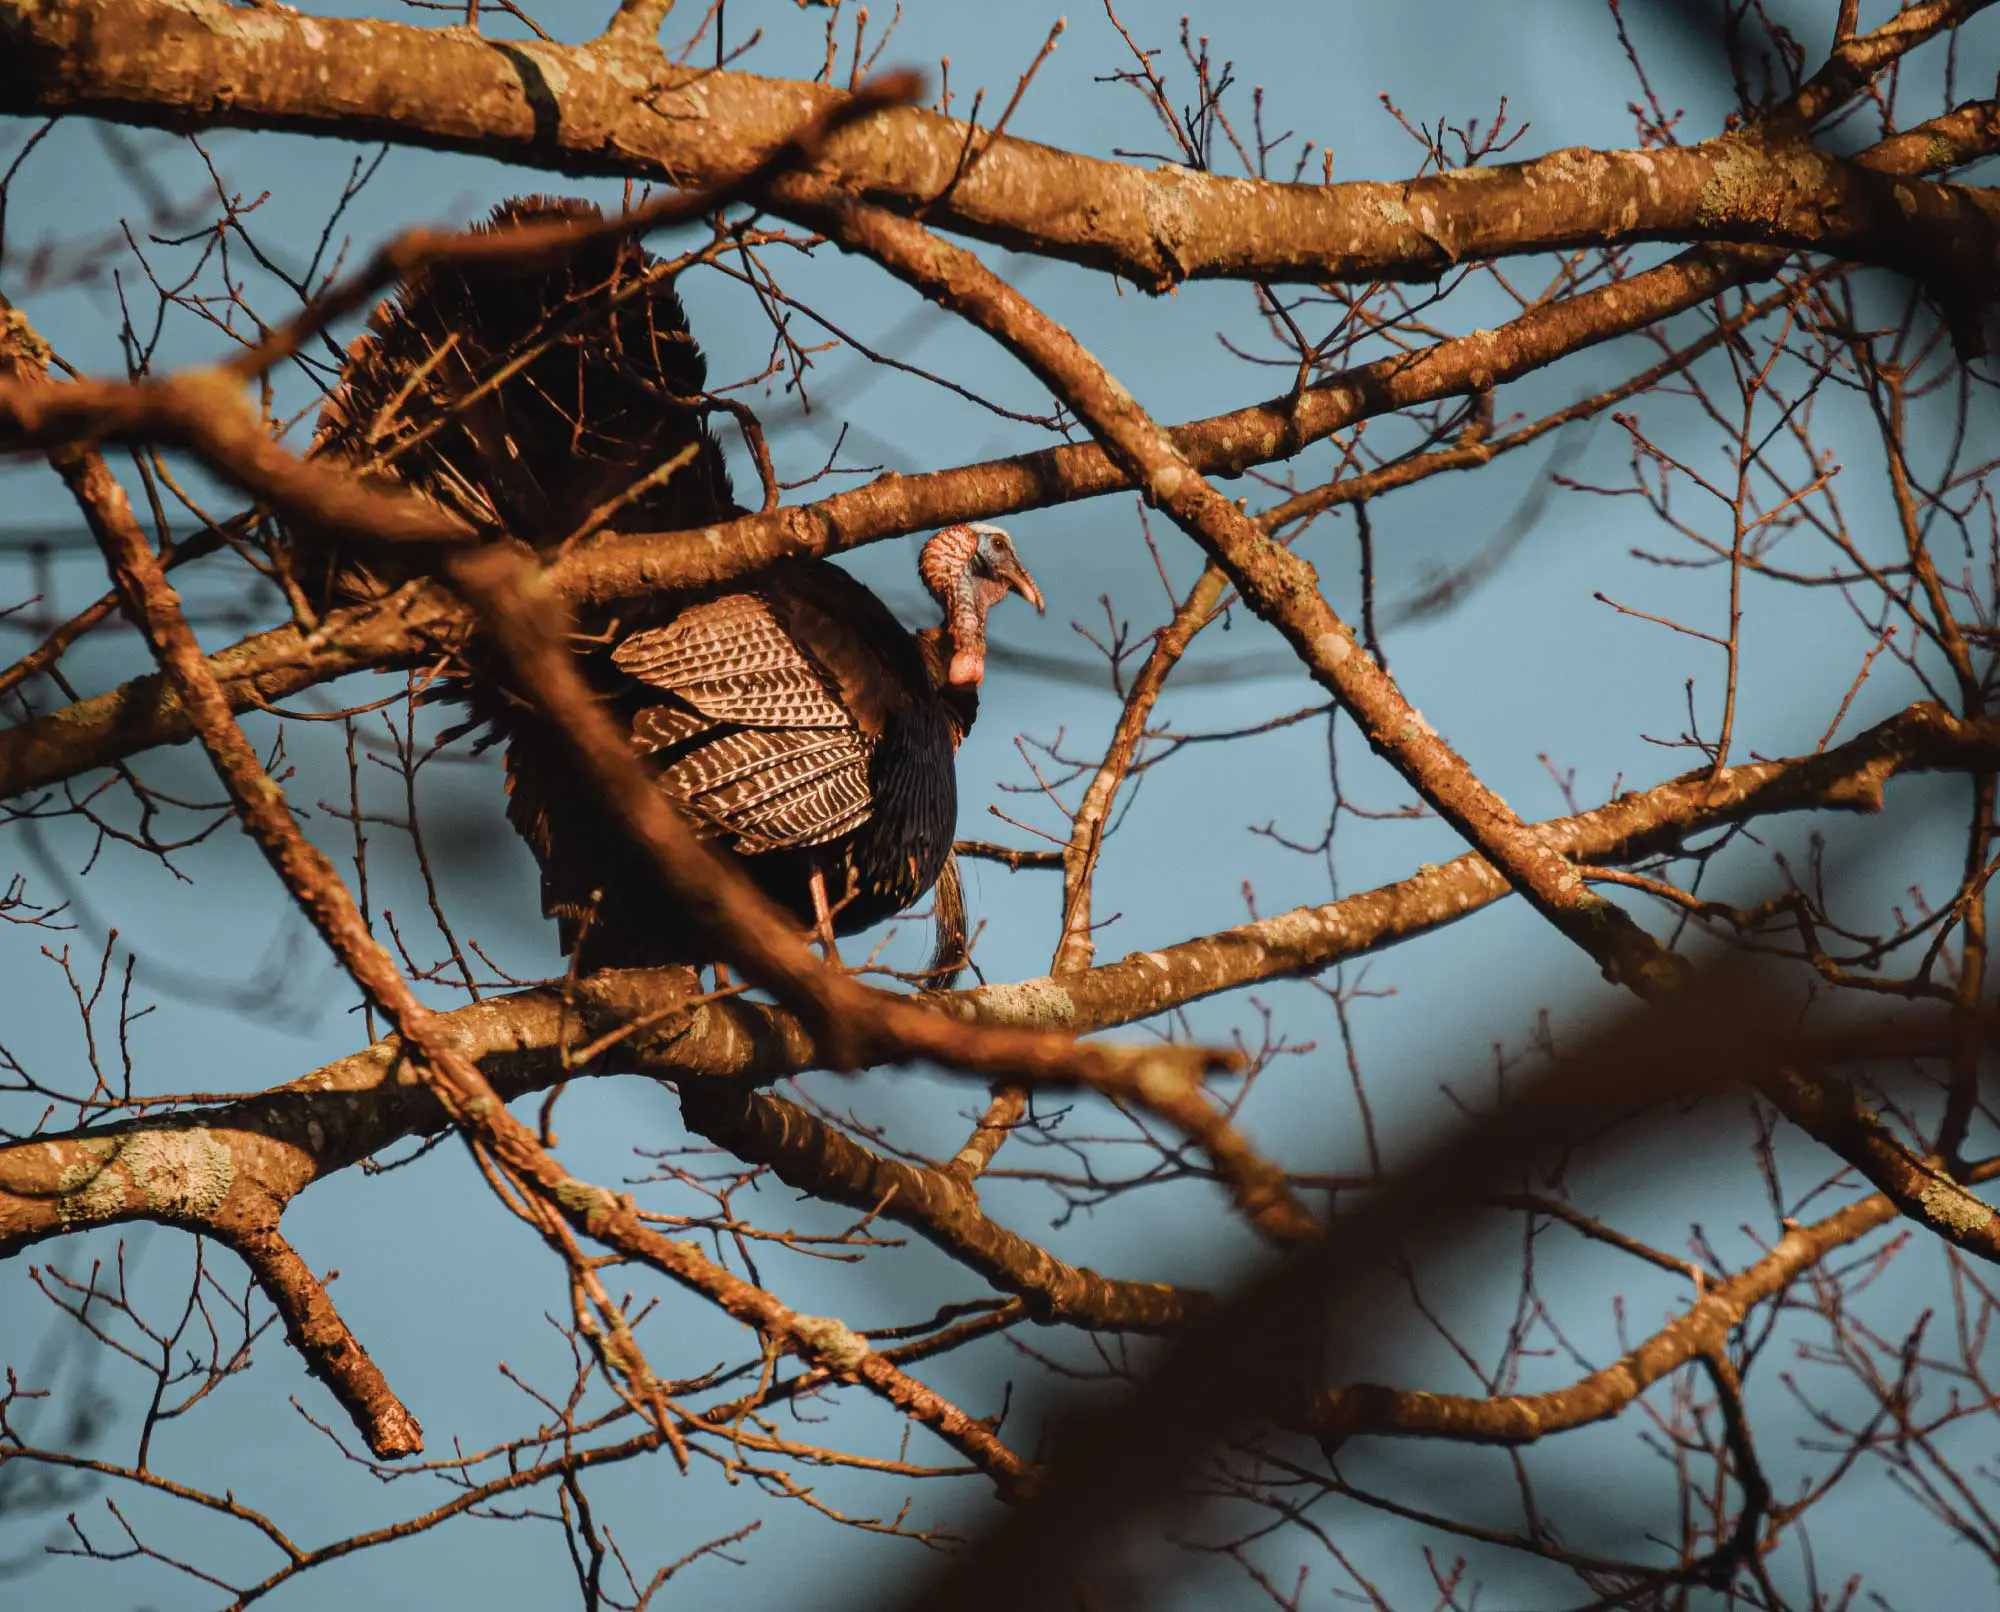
(793, 716)
(805, 729)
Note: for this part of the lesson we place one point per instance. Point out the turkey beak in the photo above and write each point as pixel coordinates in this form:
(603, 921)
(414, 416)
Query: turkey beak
(1014, 574)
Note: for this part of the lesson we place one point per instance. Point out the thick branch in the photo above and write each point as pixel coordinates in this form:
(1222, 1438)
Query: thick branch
(332, 1353)
(229, 1165)
(561, 1202)
(142, 714)
(330, 1350)
(1515, 1419)
(811, 1155)
(414, 625)
(1923, 1190)
(617, 106)
(1273, 581)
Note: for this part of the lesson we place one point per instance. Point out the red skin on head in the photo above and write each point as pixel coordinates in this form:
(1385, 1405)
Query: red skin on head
(946, 568)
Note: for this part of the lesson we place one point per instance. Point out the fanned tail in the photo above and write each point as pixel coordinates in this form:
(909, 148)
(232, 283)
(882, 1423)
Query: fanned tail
(529, 400)
(524, 402)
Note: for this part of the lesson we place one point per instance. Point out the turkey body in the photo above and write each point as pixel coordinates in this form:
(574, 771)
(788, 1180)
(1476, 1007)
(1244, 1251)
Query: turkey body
(800, 725)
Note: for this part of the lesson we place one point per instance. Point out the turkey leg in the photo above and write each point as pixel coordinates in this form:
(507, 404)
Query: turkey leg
(823, 918)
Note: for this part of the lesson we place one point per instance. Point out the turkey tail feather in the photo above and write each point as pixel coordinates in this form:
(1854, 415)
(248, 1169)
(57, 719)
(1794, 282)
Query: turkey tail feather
(948, 954)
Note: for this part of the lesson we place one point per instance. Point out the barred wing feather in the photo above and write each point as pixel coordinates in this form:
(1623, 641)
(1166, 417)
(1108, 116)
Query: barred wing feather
(774, 789)
(732, 660)
(794, 800)
(754, 739)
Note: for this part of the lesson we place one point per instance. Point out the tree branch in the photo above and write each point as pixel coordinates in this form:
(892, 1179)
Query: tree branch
(1279, 586)
(166, 1174)
(616, 106)
(1515, 1419)
(807, 1153)
(559, 1202)
(265, 1150)
(425, 621)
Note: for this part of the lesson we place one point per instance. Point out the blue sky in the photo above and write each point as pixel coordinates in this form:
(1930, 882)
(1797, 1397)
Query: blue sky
(440, 1283)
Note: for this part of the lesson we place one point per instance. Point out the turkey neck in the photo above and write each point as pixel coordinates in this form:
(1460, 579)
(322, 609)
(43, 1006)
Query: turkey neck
(960, 700)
